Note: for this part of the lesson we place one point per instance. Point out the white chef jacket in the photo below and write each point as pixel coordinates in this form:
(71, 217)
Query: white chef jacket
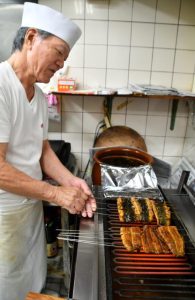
(23, 125)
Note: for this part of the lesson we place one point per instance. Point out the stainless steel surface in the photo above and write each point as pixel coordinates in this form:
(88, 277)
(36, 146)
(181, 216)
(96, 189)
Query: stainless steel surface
(101, 261)
(90, 280)
(184, 208)
(86, 268)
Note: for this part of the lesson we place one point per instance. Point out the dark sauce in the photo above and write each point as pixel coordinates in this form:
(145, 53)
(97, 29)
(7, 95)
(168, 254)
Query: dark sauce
(144, 207)
(129, 212)
(161, 212)
(122, 161)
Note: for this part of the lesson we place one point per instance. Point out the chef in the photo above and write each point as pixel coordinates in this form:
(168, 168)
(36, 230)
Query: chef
(41, 46)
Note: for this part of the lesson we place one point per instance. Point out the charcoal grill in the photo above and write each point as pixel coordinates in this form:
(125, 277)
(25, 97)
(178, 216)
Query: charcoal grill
(147, 276)
(112, 273)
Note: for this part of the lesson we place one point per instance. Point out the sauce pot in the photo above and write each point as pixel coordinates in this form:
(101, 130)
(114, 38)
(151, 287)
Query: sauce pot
(118, 157)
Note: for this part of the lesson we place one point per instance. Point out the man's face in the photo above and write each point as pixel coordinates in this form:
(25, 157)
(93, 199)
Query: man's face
(46, 57)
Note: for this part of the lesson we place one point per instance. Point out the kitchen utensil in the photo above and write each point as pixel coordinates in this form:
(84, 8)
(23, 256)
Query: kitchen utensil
(120, 136)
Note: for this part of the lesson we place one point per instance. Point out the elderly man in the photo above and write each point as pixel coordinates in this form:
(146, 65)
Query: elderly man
(40, 48)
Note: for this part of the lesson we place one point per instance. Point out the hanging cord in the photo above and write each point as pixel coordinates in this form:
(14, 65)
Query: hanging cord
(99, 126)
(105, 123)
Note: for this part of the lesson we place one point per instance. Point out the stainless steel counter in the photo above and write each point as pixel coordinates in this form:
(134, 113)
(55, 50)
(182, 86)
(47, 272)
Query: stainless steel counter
(184, 208)
(89, 280)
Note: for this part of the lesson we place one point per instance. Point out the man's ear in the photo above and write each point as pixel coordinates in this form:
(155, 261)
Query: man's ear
(30, 37)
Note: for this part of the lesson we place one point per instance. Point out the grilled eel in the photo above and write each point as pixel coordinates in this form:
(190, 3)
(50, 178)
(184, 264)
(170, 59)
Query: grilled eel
(162, 212)
(131, 238)
(153, 239)
(151, 242)
(171, 236)
(135, 210)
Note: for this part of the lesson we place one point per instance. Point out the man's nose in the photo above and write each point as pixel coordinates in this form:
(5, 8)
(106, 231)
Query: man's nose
(60, 63)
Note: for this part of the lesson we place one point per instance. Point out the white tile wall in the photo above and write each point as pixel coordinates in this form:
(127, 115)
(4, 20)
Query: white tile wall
(90, 121)
(96, 32)
(119, 105)
(173, 146)
(182, 81)
(155, 145)
(54, 136)
(161, 78)
(141, 58)
(163, 60)
(116, 78)
(144, 10)
(148, 41)
(119, 33)
(168, 11)
(137, 122)
(165, 36)
(88, 141)
(74, 104)
(100, 59)
(94, 78)
(97, 10)
(156, 125)
(118, 119)
(190, 128)
(180, 127)
(140, 40)
(137, 106)
(118, 57)
(93, 104)
(185, 40)
(120, 10)
(75, 139)
(187, 12)
(158, 107)
(184, 61)
(72, 122)
(73, 9)
(139, 76)
(76, 57)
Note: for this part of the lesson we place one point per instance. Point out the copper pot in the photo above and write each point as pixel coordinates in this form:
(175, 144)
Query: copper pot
(120, 157)
(120, 136)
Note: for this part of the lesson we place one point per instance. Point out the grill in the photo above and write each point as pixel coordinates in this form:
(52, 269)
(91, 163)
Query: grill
(146, 276)
(113, 273)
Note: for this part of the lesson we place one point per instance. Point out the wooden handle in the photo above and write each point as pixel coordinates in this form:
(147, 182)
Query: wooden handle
(35, 296)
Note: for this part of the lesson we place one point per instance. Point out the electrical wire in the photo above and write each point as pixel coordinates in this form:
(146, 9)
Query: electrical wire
(99, 126)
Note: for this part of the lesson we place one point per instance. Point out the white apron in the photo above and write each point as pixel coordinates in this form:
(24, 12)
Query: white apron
(22, 248)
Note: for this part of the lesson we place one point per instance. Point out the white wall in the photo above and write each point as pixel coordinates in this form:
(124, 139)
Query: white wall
(144, 41)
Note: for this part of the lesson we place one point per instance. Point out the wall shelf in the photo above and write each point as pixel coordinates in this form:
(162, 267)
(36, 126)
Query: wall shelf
(108, 99)
(115, 94)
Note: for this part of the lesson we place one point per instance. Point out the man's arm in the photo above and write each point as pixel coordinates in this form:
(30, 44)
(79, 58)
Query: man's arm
(52, 166)
(14, 181)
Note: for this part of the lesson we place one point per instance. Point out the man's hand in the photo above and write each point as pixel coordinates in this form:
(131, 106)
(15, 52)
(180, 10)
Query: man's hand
(90, 203)
(90, 207)
(71, 198)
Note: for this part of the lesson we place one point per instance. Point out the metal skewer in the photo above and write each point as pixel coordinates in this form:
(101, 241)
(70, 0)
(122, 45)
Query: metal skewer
(89, 242)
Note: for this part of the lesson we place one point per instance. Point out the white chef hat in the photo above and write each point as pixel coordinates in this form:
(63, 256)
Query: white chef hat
(47, 19)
